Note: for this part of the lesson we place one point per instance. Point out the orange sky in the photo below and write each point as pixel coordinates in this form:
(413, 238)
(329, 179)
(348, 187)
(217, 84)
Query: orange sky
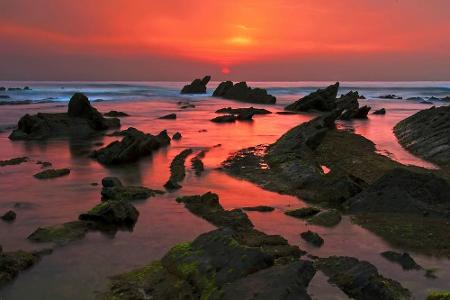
(175, 39)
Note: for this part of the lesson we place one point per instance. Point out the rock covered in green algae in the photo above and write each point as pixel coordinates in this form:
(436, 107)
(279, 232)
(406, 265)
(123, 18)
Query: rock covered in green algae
(360, 280)
(403, 259)
(260, 208)
(12, 263)
(312, 238)
(13, 161)
(112, 213)
(303, 212)
(113, 189)
(438, 295)
(60, 234)
(52, 173)
(134, 145)
(9, 216)
(328, 218)
(177, 170)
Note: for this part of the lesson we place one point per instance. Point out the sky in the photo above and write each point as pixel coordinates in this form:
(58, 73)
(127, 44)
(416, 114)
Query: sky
(265, 40)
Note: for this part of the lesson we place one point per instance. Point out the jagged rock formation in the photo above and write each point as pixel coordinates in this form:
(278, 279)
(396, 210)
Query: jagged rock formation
(198, 86)
(242, 92)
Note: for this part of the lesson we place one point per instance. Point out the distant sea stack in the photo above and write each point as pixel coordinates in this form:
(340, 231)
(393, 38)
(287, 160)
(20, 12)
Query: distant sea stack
(198, 86)
(242, 92)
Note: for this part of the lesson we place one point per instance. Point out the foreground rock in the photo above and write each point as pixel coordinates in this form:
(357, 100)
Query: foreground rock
(302, 213)
(427, 134)
(198, 86)
(224, 119)
(52, 173)
(312, 238)
(403, 259)
(322, 100)
(9, 216)
(328, 218)
(114, 190)
(115, 214)
(13, 161)
(12, 263)
(197, 163)
(242, 92)
(380, 111)
(360, 280)
(177, 170)
(132, 147)
(81, 119)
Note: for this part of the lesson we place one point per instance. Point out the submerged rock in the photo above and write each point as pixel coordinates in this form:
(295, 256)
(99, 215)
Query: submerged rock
(114, 190)
(60, 234)
(224, 119)
(81, 119)
(360, 280)
(9, 216)
(328, 218)
(403, 259)
(245, 110)
(13, 161)
(380, 111)
(115, 114)
(427, 134)
(242, 92)
(112, 213)
(168, 117)
(52, 173)
(322, 99)
(260, 208)
(133, 146)
(177, 170)
(12, 263)
(176, 136)
(312, 238)
(197, 163)
(198, 86)
(438, 295)
(302, 213)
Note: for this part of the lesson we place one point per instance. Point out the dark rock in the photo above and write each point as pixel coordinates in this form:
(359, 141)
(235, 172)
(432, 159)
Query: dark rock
(322, 99)
(242, 92)
(9, 216)
(403, 259)
(380, 111)
(390, 96)
(302, 213)
(434, 99)
(197, 163)
(44, 164)
(438, 295)
(446, 99)
(132, 147)
(427, 134)
(27, 88)
(426, 102)
(406, 192)
(13, 161)
(328, 218)
(245, 116)
(60, 234)
(4, 97)
(415, 98)
(12, 263)
(348, 101)
(177, 136)
(112, 213)
(260, 208)
(168, 117)
(114, 190)
(177, 170)
(185, 104)
(312, 238)
(14, 89)
(81, 120)
(246, 110)
(198, 86)
(278, 283)
(360, 280)
(359, 113)
(52, 173)
(115, 114)
(224, 119)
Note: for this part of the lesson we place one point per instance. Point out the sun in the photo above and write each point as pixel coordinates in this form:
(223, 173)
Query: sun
(226, 70)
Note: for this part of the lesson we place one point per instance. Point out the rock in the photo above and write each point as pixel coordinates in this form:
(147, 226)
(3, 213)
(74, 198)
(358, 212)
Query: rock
(44, 164)
(360, 280)
(185, 104)
(81, 120)
(359, 113)
(177, 136)
(242, 92)
(52, 173)
(208, 207)
(132, 147)
(427, 134)
(198, 86)
(168, 117)
(9, 216)
(197, 163)
(246, 110)
(113, 190)
(438, 295)
(328, 218)
(278, 283)
(60, 234)
(12, 263)
(5, 97)
(177, 170)
(224, 119)
(426, 102)
(432, 98)
(27, 88)
(406, 192)
(415, 98)
(302, 213)
(13, 161)
(260, 208)
(115, 114)
(322, 100)
(14, 89)
(312, 238)
(446, 99)
(112, 213)
(390, 96)
(380, 111)
(403, 259)
(348, 101)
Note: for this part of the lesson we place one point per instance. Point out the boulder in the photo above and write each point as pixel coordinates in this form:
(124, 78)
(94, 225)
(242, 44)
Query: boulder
(9, 216)
(224, 119)
(403, 259)
(312, 238)
(81, 119)
(12, 263)
(113, 190)
(302, 213)
(112, 213)
(359, 113)
(60, 234)
(380, 111)
(198, 86)
(132, 147)
(427, 134)
(348, 101)
(322, 100)
(242, 92)
(52, 173)
(328, 218)
(177, 136)
(168, 117)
